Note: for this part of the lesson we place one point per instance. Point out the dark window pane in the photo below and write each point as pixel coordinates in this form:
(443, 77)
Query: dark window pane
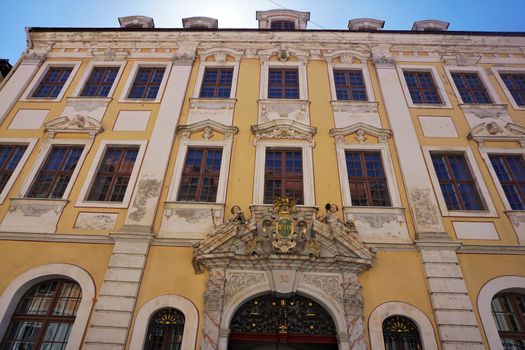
(515, 83)
(147, 83)
(52, 82)
(200, 175)
(100, 82)
(350, 85)
(9, 157)
(283, 83)
(283, 175)
(283, 25)
(470, 88)
(165, 330)
(216, 83)
(509, 315)
(510, 170)
(422, 88)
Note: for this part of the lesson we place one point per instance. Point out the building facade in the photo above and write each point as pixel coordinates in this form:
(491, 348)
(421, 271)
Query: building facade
(271, 188)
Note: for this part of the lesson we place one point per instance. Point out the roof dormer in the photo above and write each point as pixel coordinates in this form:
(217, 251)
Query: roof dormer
(136, 22)
(282, 19)
(365, 24)
(200, 23)
(430, 25)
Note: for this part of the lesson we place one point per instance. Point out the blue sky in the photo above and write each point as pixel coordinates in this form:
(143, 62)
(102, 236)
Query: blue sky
(475, 15)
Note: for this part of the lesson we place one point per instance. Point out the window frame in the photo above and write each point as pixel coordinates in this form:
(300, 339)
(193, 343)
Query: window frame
(445, 101)
(132, 75)
(282, 175)
(520, 318)
(349, 67)
(214, 65)
(301, 73)
(260, 166)
(483, 78)
(30, 144)
(87, 73)
(484, 194)
(93, 169)
(39, 76)
(508, 70)
(42, 156)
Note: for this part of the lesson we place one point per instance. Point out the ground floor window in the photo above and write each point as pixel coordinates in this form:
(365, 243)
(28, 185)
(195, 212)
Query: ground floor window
(165, 330)
(401, 333)
(508, 310)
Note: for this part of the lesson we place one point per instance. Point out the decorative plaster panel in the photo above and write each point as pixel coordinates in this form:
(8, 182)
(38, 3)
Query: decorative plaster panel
(379, 225)
(190, 220)
(475, 230)
(87, 107)
(28, 119)
(218, 110)
(132, 120)
(517, 218)
(96, 221)
(272, 109)
(351, 112)
(33, 215)
(438, 126)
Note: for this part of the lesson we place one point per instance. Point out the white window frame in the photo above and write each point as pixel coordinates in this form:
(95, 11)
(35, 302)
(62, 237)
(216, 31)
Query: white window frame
(30, 145)
(484, 194)
(437, 81)
(225, 145)
(388, 167)
(42, 156)
(200, 76)
(351, 66)
(89, 69)
(39, 76)
(482, 76)
(92, 173)
(301, 72)
(133, 74)
(510, 70)
(485, 153)
(308, 169)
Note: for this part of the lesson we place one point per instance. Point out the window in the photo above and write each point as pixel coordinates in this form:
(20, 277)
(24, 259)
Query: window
(283, 25)
(515, 83)
(54, 175)
(401, 333)
(510, 169)
(422, 88)
(456, 182)
(10, 155)
(200, 175)
(100, 82)
(283, 83)
(216, 83)
(165, 330)
(470, 88)
(52, 82)
(147, 83)
(283, 176)
(114, 172)
(508, 310)
(350, 85)
(44, 316)
(366, 177)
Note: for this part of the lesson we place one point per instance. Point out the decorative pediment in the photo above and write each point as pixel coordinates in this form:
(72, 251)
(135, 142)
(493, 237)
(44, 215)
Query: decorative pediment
(283, 237)
(207, 127)
(284, 53)
(346, 56)
(283, 129)
(78, 124)
(220, 54)
(493, 131)
(361, 129)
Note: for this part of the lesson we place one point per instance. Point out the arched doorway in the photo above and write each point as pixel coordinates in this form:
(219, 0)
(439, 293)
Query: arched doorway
(268, 322)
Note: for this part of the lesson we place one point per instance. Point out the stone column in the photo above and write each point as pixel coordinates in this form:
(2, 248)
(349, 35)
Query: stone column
(353, 303)
(213, 338)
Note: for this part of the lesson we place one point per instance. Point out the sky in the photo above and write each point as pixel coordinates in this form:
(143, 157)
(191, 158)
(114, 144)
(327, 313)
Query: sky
(468, 15)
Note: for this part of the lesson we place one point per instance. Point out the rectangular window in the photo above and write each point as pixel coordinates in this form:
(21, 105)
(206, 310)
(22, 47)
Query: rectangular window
(10, 155)
(510, 170)
(217, 83)
(100, 82)
(471, 88)
(52, 82)
(456, 182)
(282, 25)
(366, 177)
(200, 175)
(147, 83)
(113, 174)
(53, 177)
(283, 83)
(515, 83)
(350, 85)
(422, 88)
(283, 176)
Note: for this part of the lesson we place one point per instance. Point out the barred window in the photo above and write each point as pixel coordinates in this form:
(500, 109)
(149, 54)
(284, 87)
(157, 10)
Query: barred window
(283, 25)
(10, 156)
(53, 177)
(217, 83)
(100, 82)
(113, 174)
(510, 169)
(401, 333)
(283, 83)
(147, 83)
(515, 83)
(200, 176)
(283, 175)
(52, 82)
(422, 88)
(367, 180)
(471, 88)
(508, 310)
(350, 85)
(165, 330)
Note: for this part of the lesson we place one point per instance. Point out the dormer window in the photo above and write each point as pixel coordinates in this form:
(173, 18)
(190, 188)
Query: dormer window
(283, 25)
(365, 24)
(200, 23)
(430, 25)
(136, 22)
(282, 19)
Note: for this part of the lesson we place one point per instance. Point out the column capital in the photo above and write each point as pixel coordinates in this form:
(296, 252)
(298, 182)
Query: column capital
(34, 57)
(384, 61)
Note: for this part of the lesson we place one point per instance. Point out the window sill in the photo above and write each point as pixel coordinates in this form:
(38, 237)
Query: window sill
(469, 213)
(101, 204)
(429, 106)
(140, 100)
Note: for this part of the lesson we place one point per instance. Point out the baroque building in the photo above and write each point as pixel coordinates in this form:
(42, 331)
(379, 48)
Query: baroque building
(271, 188)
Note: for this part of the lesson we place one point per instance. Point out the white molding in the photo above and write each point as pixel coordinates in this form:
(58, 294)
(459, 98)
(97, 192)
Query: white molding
(483, 192)
(308, 170)
(22, 283)
(349, 66)
(30, 145)
(92, 172)
(511, 70)
(300, 64)
(482, 76)
(383, 311)
(132, 75)
(87, 72)
(191, 320)
(485, 296)
(437, 81)
(44, 152)
(27, 95)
